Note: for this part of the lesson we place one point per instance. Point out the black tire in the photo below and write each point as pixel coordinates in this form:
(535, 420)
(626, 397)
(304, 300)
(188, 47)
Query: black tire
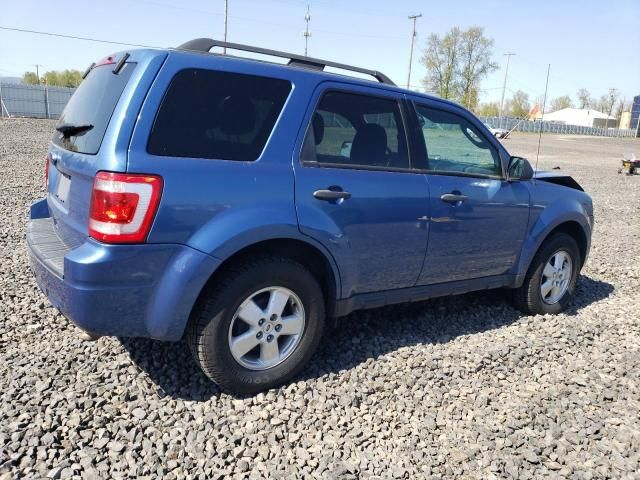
(528, 298)
(211, 319)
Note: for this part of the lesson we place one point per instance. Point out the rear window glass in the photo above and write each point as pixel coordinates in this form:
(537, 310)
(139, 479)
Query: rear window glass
(92, 104)
(218, 115)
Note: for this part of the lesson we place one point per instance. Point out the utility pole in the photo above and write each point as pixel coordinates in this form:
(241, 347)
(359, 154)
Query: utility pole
(226, 14)
(306, 34)
(504, 85)
(38, 72)
(413, 39)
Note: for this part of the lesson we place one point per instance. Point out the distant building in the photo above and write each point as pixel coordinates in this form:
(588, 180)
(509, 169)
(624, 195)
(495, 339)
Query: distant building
(584, 117)
(635, 112)
(625, 120)
(12, 80)
(535, 113)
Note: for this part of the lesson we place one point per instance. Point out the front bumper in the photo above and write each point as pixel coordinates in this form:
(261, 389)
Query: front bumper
(144, 290)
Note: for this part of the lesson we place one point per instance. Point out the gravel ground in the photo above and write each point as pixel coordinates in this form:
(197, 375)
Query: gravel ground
(459, 387)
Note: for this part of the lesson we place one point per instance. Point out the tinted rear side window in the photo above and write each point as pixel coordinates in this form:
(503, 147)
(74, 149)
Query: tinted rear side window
(357, 130)
(221, 115)
(93, 104)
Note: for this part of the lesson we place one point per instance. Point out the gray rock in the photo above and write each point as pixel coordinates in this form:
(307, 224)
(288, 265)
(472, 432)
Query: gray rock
(459, 387)
(531, 457)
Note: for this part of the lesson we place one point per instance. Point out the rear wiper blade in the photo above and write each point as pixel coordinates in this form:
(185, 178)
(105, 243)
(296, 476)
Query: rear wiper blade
(67, 130)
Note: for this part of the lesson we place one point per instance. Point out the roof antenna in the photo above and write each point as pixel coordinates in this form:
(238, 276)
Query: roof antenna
(544, 106)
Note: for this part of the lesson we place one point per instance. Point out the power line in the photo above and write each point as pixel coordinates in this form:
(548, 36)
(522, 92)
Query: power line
(504, 85)
(74, 37)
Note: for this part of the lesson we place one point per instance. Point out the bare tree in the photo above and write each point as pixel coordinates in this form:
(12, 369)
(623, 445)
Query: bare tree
(623, 106)
(600, 104)
(611, 99)
(584, 98)
(441, 60)
(561, 102)
(475, 64)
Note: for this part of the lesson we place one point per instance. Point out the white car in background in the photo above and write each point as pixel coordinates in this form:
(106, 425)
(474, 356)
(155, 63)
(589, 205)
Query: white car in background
(497, 132)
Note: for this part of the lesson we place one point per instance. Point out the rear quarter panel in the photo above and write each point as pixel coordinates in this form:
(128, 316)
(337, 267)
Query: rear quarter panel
(220, 206)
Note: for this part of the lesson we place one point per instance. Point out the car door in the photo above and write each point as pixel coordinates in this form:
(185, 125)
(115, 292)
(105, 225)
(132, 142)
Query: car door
(477, 220)
(355, 190)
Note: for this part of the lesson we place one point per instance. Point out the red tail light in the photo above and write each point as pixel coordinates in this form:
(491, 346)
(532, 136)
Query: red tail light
(123, 206)
(47, 160)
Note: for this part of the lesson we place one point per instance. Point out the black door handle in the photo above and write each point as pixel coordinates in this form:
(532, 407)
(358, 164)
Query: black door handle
(331, 195)
(453, 197)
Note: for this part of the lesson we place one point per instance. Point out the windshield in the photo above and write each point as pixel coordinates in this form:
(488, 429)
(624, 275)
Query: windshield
(91, 105)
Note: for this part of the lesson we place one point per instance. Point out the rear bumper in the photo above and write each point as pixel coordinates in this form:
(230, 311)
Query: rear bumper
(121, 290)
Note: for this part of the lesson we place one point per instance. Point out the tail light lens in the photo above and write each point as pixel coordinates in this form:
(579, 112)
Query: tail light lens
(47, 160)
(123, 206)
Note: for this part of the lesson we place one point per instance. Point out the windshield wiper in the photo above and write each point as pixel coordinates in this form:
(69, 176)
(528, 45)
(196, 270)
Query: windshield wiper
(67, 130)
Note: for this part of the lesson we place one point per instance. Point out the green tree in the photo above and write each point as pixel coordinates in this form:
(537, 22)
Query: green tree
(475, 64)
(491, 109)
(457, 63)
(30, 78)
(64, 78)
(51, 78)
(561, 102)
(70, 78)
(441, 60)
(519, 105)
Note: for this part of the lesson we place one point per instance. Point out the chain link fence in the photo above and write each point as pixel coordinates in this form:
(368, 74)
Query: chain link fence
(509, 123)
(37, 101)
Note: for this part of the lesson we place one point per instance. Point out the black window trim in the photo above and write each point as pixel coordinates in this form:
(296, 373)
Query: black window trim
(398, 99)
(414, 112)
(267, 141)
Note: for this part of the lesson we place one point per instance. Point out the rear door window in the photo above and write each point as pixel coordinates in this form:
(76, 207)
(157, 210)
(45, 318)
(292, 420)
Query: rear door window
(92, 105)
(217, 115)
(356, 130)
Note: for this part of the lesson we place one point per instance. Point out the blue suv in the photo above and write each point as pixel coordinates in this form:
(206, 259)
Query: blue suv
(240, 203)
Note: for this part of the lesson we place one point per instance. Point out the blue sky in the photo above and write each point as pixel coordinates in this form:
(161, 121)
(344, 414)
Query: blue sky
(591, 44)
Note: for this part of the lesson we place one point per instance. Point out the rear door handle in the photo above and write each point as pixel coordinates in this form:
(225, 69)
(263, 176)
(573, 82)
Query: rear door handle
(331, 195)
(453, 197)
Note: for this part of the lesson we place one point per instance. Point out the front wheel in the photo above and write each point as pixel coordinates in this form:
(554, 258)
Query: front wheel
(257, 327)
(551, 279)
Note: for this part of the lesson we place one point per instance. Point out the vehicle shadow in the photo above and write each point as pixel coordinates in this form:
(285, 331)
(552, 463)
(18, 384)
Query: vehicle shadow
(357, 337)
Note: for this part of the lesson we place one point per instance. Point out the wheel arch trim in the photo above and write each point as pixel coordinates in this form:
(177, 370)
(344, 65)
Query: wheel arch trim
(542, 229)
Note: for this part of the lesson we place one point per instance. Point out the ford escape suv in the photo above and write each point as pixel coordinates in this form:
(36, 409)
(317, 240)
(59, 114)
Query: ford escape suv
(241, 202)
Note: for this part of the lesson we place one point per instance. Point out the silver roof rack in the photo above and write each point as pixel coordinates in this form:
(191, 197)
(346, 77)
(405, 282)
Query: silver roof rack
(206, 44)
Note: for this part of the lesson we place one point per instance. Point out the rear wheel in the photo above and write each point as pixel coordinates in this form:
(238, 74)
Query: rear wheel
(257, 327)
(552, 276)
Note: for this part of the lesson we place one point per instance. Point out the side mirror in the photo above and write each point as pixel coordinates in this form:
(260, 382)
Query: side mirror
(519, 169)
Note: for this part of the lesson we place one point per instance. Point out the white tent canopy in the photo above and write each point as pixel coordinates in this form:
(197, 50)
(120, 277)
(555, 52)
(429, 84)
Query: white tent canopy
(576, 116)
